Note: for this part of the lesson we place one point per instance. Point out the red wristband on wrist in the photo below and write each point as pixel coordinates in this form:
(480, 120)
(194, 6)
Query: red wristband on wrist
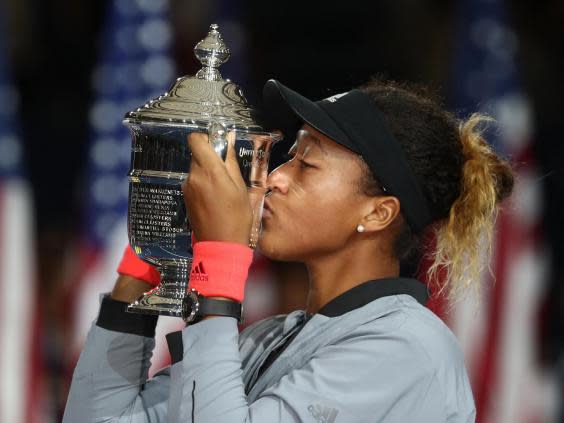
(131, 265)
(220, 269)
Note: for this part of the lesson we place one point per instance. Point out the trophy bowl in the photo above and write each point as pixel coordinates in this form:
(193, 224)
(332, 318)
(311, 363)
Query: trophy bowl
(158, 226)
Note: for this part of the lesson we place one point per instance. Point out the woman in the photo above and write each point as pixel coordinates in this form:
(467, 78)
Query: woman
(372, 172)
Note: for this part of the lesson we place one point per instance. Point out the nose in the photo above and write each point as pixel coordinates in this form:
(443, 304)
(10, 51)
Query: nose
(277, 181)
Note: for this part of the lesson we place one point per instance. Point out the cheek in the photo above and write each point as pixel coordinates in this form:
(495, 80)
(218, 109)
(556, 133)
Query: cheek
(316, 218)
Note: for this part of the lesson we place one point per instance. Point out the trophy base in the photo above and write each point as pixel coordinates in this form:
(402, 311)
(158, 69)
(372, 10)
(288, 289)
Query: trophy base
(156, 303)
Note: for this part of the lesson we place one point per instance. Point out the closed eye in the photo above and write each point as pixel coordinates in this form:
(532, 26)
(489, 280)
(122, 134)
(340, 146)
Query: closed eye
(291, 155)
(304, 163)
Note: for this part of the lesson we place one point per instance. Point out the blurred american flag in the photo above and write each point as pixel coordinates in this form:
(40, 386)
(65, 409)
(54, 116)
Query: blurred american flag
(134, 66)
(20, 383)
(498, 331)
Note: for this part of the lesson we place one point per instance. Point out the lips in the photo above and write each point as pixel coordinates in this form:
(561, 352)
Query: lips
(267, 211)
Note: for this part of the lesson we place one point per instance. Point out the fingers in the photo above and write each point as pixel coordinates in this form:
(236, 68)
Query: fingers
(203, 154)
(231, 163)
(205, 157)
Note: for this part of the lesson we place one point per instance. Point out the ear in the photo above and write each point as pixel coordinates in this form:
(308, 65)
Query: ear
(383, 211)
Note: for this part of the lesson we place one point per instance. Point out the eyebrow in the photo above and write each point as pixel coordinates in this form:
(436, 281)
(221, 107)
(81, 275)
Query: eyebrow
(317, 141)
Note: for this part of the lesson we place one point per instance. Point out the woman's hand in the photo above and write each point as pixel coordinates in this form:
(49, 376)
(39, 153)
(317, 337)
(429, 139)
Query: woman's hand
(215, 193)
(129, 289)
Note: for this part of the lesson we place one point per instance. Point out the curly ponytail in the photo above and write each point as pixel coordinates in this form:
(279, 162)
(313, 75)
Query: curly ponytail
(463, 181)
(464, 239)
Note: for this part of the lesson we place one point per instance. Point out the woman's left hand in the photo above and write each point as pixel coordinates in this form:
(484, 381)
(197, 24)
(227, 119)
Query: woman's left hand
(215, 193)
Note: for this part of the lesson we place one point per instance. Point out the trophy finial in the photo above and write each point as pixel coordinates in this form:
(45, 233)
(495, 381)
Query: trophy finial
(212, 53)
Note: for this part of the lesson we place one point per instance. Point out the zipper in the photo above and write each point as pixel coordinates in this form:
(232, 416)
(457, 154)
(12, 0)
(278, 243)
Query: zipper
(193, 396)
(271, 350)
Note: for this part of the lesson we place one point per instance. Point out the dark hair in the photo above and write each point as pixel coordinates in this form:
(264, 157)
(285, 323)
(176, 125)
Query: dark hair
(462, 178)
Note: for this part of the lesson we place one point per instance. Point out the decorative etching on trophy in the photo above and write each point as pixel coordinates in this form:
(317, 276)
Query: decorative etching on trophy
(157, 219)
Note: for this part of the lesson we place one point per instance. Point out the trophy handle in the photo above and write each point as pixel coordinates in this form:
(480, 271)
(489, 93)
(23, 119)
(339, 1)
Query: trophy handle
(217, 133)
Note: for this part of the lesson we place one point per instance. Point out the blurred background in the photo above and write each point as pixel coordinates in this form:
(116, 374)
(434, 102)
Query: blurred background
(70, 69)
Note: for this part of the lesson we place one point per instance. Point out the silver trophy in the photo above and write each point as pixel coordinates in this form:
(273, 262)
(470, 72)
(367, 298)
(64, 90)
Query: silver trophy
(158, 227)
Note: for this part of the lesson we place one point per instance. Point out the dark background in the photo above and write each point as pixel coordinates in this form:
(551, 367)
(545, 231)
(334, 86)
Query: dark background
(317, 48)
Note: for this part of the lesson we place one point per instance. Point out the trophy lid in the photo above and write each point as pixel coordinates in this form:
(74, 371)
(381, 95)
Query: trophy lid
(202, 98)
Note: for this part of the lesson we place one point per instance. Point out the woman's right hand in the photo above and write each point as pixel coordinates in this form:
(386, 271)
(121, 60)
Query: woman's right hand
(129, 289)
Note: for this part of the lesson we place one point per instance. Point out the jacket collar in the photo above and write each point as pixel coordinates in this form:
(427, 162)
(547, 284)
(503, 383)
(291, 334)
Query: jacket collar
(367, 292)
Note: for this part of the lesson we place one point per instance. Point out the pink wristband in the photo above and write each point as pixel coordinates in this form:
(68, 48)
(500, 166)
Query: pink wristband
(131, 265)
(220, 269)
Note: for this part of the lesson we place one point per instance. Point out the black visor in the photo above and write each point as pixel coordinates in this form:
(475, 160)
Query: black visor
(353, 120)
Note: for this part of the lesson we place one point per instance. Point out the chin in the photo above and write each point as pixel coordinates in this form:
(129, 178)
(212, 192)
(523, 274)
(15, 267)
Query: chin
(267, 250)
(273, 247)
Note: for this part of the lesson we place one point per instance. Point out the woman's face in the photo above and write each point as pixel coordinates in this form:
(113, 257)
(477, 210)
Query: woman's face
(314, 205)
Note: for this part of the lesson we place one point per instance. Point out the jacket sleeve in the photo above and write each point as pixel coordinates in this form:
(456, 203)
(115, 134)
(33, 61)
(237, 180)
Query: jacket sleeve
(110, 383)
(349, 382)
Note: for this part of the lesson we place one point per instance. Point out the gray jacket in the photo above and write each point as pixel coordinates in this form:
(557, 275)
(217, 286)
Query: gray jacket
(390, 360)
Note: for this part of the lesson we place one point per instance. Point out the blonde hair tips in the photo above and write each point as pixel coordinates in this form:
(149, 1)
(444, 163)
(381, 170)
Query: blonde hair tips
(464, 239)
